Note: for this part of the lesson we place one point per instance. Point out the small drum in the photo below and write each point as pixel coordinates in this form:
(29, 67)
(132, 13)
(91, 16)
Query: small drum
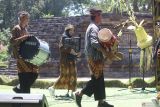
(110, 42)
(34, 50)
(106, 38)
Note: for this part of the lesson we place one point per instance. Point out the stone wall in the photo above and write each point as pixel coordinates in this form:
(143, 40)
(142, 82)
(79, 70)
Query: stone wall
(51, 29)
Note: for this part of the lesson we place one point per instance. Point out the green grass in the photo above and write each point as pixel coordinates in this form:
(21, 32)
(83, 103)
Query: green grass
(119, 97)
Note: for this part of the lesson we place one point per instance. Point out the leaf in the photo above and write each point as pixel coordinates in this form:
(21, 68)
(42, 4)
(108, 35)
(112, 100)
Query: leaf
(141, 22)
(120, 33)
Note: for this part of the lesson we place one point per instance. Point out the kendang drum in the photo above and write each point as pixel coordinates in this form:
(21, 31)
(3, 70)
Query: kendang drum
(110, 43)
(34, 50)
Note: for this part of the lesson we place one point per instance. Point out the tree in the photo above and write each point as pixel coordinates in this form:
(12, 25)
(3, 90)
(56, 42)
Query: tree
(7, 12)
(58, 8)
(4, 41)
(10, 8)
(65, 7)
(54, 7)
(135, 6)
(4, 36)
(117, 6)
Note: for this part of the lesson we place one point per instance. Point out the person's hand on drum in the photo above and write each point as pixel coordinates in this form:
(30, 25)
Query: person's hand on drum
(22, 38)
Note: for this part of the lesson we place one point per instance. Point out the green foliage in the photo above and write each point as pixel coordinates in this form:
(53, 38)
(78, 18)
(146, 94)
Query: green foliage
(47, 16)
(39, 8)
(152, 84)
(5, 35)
(3, 55)
(110, 6)
(138, 83)
(132, 79)
(4, 79)
(117, 6)
(13, 82)
(3, 58)
(1, 81)
(66, 7)
(4, 40)
(10, 9)
(44, 84)
(36, 9)
(114, 83)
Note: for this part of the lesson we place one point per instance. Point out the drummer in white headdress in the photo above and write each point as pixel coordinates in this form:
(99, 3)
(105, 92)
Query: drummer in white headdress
(68, 70)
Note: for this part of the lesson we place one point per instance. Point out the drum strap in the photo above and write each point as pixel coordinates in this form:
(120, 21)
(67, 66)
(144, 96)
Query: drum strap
(23, 64)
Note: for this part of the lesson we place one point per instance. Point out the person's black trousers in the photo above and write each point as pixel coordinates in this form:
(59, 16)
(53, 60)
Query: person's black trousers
(26, 79)
(96, 87)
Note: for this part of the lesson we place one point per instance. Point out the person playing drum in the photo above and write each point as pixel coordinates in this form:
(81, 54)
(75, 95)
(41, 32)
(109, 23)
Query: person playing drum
(27, 72)
(68, 70)
(96, 55)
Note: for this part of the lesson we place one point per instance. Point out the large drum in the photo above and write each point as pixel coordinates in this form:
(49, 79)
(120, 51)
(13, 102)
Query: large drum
(34, 50)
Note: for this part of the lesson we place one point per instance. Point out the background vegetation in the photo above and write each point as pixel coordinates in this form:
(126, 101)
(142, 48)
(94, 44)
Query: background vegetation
(4, 50)
(44, 84)
(58, 8)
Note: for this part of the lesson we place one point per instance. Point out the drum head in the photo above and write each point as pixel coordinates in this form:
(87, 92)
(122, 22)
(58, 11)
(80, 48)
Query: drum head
(29, 48)
(104, 35)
